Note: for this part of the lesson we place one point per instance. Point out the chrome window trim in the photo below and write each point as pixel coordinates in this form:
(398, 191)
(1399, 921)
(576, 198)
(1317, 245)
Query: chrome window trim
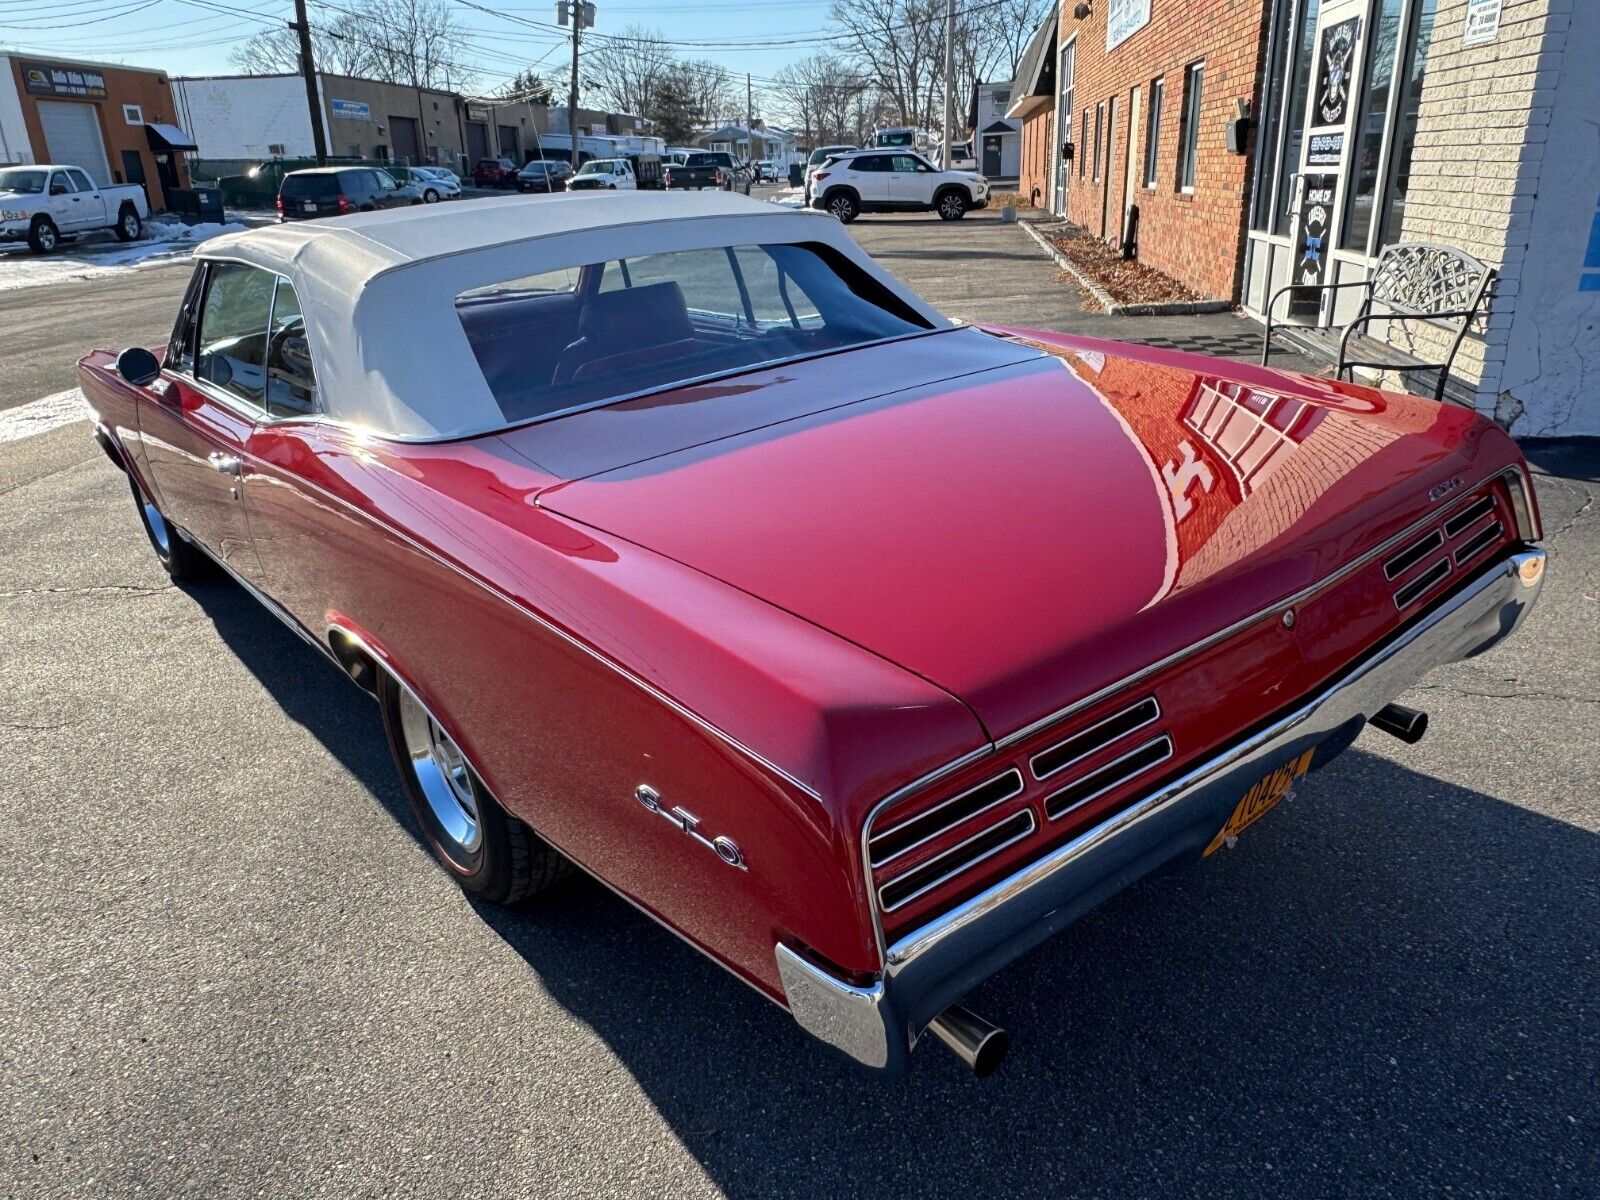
(1070, 763)
(1116, 783)
(1021, 786)
(1033, 826)
(1528, 530)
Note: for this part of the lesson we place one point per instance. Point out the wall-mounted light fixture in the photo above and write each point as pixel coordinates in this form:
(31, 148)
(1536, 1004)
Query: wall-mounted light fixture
(1081, 10)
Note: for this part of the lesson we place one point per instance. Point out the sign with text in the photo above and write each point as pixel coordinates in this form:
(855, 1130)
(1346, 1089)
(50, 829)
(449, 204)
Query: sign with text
(1325, 150)
(1483, 22)
(1334, 65)
(47, 79)
(1126, 18)
(1311, 249)
(350, 110)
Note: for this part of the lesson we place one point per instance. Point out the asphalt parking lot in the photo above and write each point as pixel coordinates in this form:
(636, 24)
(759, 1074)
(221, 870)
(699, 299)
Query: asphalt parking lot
(229, 967)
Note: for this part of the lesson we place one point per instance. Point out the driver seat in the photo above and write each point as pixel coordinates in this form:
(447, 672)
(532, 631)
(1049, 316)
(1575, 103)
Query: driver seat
(630, 325)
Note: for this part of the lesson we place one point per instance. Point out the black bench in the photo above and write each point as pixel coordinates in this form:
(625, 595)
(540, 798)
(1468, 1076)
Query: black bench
(1414, 281)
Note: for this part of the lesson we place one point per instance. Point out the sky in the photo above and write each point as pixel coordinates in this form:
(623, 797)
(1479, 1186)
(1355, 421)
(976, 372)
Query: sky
(195, 37)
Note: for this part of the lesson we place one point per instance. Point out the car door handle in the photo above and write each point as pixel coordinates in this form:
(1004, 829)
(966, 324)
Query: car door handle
(227, 464)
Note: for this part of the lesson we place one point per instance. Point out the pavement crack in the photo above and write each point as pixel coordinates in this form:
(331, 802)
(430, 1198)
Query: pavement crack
(1520, 694)
(97, 589)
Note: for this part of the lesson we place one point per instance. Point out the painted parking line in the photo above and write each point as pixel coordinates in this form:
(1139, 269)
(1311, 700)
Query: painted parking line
(43, 415)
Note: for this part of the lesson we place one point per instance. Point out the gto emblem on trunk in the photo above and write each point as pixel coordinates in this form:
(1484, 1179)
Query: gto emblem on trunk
(724, 848)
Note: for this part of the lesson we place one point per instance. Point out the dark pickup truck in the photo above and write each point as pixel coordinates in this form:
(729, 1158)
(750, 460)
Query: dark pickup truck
(705, 169)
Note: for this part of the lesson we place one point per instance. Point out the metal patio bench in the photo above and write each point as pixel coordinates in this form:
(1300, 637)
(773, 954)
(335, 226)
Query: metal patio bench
(1413, 281)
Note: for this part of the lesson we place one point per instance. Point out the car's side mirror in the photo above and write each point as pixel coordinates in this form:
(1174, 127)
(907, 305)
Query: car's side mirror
(138, 366)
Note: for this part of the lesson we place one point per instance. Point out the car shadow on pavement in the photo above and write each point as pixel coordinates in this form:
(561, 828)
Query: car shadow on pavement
(1388, 986)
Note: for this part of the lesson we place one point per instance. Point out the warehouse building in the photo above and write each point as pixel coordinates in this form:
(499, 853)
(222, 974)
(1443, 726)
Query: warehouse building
(118, 123)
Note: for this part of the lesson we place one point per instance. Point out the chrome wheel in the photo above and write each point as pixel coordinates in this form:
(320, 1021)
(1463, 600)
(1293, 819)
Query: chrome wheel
(952, 207)
(442, 775)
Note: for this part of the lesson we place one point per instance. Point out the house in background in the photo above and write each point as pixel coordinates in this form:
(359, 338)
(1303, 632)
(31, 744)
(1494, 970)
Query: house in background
(762, 142)
(996, 139)
(119, 124)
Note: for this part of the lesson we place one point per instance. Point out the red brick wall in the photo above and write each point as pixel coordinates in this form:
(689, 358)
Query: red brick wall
(1195, 237)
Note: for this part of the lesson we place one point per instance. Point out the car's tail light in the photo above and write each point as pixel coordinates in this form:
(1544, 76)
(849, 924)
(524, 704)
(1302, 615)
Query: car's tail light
(721, 178)
(278, 201)
(820, 175)
(344, 204)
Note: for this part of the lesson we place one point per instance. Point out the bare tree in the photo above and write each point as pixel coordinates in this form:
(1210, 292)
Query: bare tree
(627, 68)
(713, 92)
(899, 45)
(823, 96)
(397, 41)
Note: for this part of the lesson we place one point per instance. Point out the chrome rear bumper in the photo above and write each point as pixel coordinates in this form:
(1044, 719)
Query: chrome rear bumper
(931, 968)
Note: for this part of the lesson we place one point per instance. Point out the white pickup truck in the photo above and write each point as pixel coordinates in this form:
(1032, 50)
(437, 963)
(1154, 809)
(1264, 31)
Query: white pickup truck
(47, 203)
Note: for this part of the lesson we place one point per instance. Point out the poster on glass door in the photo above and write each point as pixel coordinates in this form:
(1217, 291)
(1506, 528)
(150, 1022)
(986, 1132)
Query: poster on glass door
(1334, 64)
(1311, 249)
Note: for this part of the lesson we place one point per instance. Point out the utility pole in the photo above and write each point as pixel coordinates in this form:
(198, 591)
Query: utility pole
(949, 82)
(750, 115)
(302, 26)
(582, 14)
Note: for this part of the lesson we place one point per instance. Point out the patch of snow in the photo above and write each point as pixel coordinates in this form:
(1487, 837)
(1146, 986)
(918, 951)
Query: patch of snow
(42, 415)
(163, 241)
(791, 198)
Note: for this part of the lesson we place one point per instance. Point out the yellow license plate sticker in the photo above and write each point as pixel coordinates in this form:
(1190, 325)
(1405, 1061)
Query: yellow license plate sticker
(1260, 800)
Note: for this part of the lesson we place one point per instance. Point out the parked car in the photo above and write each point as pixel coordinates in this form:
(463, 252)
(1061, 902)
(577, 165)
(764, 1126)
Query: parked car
(542, 175)
(611, 174)
(334, 191)
(961, 157)
(862, 648)
(894, 181)
(45, 204)
(815, 160)
(494, 173)
(765, 170)
(435, 184)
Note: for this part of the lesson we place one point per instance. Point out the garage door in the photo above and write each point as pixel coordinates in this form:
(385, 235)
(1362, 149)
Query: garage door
(72, 136)
(403, 144)
(477, 142)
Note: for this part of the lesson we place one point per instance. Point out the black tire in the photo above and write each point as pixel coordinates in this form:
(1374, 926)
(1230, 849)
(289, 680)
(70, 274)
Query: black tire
(510, 862)
(129, 226)
(180, 558)
(951, 205)
(43, 236)
(843, 205)
(430, 196)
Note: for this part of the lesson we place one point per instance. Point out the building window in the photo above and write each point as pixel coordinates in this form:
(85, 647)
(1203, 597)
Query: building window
(1405, 133)
(1283, 116)
(1083, 147)
(133, 114)
(1371, 121)
(1189, 134)
(1152, 131)
(1099, 129)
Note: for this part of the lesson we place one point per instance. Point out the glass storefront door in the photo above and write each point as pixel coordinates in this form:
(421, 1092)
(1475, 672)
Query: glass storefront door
(1063, 126)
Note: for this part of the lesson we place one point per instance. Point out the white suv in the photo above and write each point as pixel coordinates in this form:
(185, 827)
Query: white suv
(888, 180)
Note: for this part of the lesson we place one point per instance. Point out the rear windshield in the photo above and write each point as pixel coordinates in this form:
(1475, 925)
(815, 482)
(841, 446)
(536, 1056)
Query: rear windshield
(586, 335)
(309, 185)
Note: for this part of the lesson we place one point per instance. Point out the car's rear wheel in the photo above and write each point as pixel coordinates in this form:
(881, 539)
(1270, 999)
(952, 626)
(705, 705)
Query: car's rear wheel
(844, 206)
(129, 226)
(430, 196)
(43, 237)
(490, 853)
(951, 206)
(177, 556)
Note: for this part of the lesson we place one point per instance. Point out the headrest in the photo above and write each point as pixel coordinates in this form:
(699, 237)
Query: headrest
(628, 318)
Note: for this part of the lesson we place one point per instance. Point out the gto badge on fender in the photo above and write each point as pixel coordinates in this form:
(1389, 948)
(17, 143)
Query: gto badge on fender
(724, 848)
(1444, 489)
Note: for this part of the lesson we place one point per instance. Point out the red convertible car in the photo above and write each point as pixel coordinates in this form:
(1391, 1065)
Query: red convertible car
(861, 648)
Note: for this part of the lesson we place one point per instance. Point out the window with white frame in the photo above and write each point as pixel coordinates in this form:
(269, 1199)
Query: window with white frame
(133, 114)
(1189, 134)
(1099, 129)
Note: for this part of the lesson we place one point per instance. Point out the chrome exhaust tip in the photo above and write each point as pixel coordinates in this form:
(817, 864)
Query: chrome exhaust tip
(1407, 724)
(975, 1042)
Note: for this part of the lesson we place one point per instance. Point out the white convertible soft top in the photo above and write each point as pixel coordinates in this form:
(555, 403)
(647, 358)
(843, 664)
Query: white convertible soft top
(378, 290)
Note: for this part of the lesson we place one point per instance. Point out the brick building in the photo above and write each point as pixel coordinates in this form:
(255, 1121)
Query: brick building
(1468, 123)
(118, 123)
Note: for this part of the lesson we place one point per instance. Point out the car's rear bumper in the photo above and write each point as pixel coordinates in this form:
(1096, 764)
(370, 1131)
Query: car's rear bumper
(931, 968)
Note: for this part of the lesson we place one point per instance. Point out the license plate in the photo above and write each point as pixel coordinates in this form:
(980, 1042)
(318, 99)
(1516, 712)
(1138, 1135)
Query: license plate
(310, 207)
(1262, 798)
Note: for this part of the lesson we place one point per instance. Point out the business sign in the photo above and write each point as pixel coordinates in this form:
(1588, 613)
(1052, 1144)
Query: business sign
(46, 79)
(1125, 19)
(1325, 150)
(477, 112)
(1483, 22)
(350, 110)
(1334, 68)
(1311, 252)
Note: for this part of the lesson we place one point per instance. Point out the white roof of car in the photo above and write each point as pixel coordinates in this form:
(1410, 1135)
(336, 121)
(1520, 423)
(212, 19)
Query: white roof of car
(378, 290)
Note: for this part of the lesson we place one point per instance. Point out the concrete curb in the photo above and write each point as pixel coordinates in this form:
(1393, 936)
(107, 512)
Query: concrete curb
(1175, 308)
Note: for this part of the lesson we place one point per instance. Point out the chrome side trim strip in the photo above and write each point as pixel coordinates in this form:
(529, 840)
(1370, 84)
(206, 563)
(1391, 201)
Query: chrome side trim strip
(962, 867)
(1015, 791)
(1033, 762)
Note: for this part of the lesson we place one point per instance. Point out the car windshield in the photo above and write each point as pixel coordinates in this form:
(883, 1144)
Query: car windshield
(597, 166)
(26, 180)
(588, 335)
